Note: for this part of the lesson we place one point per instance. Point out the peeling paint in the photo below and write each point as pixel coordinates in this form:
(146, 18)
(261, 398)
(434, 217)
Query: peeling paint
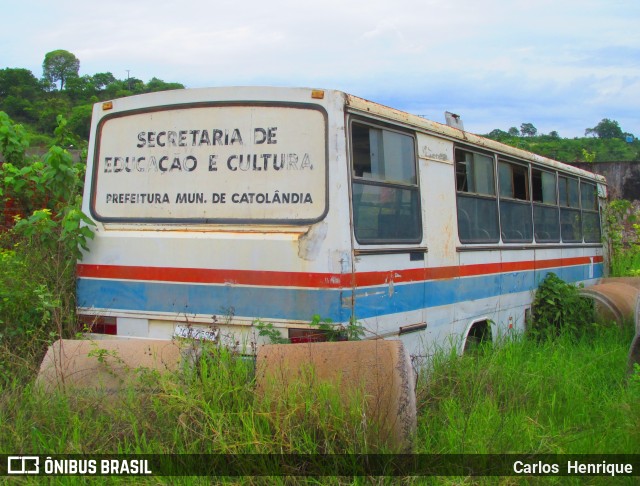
(310, 243)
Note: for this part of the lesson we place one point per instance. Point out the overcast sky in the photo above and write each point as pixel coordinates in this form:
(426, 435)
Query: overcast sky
(562, 65)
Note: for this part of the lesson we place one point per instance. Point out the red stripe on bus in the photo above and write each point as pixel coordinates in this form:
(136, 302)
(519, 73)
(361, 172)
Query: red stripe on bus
(318, 280)
(215, 276)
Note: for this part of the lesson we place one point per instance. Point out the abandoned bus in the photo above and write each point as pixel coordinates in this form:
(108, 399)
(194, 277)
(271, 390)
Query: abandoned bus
(218, 209)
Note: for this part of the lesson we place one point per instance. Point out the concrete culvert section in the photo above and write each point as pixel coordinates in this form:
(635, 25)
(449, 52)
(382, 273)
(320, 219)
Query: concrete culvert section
(618, 299)
(634, 350)
(377, 371)
(615, 298)
(107, 365)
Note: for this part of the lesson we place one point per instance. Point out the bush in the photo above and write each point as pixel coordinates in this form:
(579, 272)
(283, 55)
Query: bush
(38, 254)
(559, 308)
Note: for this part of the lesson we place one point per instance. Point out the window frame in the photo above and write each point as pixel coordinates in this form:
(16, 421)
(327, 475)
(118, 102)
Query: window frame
(569, 203)
(567, 209)
(413, 188)
(594, 211)
(468, 195)
(509, 202)
(546, 206)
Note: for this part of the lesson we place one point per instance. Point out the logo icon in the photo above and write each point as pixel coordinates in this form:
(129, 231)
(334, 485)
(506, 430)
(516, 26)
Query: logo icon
(23, 465)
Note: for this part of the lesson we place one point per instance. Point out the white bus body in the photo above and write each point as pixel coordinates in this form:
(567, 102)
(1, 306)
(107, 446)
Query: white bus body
(216, 208)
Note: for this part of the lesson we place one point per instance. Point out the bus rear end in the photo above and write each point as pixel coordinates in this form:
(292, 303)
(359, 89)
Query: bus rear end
(212, 214)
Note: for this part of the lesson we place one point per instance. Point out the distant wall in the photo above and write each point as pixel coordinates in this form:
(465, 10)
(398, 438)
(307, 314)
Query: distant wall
(623, 178)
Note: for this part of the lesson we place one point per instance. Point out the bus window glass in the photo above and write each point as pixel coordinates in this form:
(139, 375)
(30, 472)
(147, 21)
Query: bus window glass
(515, 207)
(474, 173)
(382, 155)
(386, 202)
(546, 218)
(477, 203)
(569, 193)
(514, 181)
(570, 217)
(590, 214)
(588, 197)
(543, 185)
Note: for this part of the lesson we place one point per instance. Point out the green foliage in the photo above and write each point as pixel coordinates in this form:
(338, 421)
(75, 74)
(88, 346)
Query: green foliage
(588, 156)
(564, 396)
(588, 149)
(268, 330)
(528, 130)
(622, 234)
(558, 308)
(557, 396)
(36, 104)
(329, 331)
(38, 255)
(605, 129)
(13, 140)
(60, 65)
(353, 331)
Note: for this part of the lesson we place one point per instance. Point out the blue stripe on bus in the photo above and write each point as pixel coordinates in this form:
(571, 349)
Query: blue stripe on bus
(303, 303)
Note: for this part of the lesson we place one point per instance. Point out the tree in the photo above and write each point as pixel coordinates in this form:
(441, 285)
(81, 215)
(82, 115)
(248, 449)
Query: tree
(19, 82)
(528, 130)
(497, 134)
(102, 80)
(605, 129)
(158, 85)
(514, 132)
(59, 65)
(19, 89)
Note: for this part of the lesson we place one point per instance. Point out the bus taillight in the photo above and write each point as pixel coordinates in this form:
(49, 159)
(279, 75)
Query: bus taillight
(98, 324)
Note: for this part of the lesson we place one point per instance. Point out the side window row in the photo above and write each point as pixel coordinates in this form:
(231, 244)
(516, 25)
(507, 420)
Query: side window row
(497, 200)
(527, 203)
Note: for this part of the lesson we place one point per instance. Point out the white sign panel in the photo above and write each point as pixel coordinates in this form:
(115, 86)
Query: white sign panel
(216, 163)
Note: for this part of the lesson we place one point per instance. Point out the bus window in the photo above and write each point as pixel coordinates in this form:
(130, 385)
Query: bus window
(386, 198)
(515, 205)
(476, 197)
(546, 218)
(590, 214)
(570, 220)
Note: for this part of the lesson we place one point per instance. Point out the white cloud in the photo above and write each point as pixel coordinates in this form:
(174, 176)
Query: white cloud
(562, 65)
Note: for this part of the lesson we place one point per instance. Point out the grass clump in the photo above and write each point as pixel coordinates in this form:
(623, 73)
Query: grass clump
(558, 307)
(557, 396)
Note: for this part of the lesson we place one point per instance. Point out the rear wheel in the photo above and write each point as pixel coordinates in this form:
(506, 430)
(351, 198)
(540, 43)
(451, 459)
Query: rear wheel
(479, 334)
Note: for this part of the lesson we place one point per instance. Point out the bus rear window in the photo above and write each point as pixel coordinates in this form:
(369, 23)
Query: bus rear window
(212, 164)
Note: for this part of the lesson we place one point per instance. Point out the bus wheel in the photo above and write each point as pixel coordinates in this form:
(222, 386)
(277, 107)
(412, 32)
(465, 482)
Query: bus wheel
(480, 333)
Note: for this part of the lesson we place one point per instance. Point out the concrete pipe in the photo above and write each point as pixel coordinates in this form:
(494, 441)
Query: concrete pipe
(634, 350)
(379, 370)
(107, 365)
(615, 299)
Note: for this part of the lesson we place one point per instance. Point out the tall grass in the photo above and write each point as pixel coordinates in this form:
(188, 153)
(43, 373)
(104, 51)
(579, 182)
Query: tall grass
(626, 263)
(559, 396)
(568, 394)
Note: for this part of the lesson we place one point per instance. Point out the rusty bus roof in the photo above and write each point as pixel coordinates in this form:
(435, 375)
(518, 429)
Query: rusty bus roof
(430, 127)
